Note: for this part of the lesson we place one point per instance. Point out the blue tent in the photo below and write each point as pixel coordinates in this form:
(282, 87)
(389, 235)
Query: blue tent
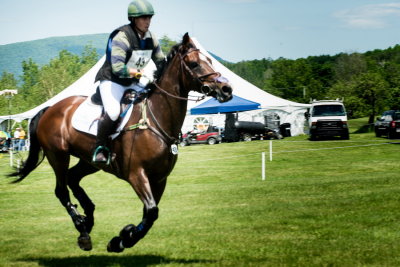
(212, 106)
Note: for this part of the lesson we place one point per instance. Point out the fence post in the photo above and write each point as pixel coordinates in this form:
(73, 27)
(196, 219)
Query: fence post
(263, 166)
(11, 155)
(270, 150)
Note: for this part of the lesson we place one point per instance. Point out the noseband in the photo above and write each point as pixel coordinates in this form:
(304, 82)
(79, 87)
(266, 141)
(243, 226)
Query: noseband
(199, 78)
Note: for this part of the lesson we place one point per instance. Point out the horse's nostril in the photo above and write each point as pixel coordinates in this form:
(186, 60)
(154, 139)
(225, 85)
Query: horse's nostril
(227, 89)
(206, 89)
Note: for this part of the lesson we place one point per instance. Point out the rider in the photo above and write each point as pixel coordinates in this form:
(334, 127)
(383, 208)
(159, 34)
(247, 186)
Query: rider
(129, 49)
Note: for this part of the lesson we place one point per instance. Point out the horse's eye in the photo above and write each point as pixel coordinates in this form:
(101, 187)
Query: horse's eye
(193, 65)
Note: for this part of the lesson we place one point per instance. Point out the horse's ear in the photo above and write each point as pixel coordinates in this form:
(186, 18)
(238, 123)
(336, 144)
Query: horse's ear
(186, 39)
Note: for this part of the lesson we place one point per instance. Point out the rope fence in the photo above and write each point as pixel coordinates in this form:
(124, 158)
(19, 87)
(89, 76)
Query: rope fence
(15, 160)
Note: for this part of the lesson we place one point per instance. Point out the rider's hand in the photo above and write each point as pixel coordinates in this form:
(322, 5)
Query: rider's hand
(135, 73)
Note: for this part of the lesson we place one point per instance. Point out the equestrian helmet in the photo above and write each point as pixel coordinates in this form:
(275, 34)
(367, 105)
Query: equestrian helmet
(138, 8)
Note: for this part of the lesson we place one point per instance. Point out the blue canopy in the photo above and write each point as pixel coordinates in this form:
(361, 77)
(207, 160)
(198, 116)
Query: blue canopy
(212, 106)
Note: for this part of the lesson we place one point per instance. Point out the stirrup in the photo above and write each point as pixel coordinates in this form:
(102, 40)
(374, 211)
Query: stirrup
(107, 152)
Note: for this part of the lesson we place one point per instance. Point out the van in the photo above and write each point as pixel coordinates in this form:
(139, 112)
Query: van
(327, 118)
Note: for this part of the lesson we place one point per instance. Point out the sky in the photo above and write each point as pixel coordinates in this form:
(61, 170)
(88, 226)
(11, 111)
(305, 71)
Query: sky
(235, 30)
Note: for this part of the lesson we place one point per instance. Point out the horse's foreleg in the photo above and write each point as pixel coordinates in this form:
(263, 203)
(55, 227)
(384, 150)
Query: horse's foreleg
(150, 196)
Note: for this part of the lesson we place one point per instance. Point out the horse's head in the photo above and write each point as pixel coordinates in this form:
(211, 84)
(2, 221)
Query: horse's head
(200, 72)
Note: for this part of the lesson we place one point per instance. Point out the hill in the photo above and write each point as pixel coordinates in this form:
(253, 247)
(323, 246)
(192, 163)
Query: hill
(43, 50)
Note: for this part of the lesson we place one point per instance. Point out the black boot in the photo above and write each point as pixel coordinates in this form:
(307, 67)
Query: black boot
(102, 153)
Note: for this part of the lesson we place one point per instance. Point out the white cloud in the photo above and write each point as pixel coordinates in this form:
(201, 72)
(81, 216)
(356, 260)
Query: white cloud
(369, 16)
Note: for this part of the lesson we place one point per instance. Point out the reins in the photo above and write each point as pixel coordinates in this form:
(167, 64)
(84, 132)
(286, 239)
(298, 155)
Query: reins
(178, 97)
(201, 78)
(144, 122)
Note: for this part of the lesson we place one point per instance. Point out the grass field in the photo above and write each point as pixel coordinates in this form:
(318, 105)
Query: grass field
(325, 203)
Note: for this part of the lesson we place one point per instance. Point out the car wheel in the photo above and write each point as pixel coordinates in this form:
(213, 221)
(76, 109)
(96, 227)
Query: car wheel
(212, 141)
(313, 137)
(184, 143)
(391, 135)
(246, 137)
(378, 133)
(345, 137)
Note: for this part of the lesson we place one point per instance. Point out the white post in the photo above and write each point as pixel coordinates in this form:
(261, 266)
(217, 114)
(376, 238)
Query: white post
(270, 150)
(11, 154)
(263, 166)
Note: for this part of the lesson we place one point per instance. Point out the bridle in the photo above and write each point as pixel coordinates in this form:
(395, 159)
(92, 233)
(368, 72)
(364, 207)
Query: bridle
(199, 78)
(158, 130)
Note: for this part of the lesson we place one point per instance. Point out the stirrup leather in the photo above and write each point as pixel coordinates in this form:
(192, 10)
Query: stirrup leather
(106, 151)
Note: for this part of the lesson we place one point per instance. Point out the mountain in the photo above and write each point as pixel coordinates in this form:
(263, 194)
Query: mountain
(41, 51)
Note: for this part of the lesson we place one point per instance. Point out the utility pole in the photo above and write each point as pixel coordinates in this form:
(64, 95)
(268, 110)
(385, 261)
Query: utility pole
(8, 94)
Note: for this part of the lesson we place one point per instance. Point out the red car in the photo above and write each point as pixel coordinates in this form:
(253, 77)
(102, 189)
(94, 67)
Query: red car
(211, 137)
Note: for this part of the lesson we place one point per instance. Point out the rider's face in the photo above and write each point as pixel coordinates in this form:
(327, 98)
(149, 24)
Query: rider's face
(142, 23)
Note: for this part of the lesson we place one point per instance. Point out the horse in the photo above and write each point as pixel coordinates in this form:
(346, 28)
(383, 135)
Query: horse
(144, 153)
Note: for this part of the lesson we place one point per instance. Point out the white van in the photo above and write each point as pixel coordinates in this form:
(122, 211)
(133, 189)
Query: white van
(327, 118)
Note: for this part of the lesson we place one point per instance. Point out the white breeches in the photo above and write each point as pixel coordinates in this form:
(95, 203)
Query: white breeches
(111, 94)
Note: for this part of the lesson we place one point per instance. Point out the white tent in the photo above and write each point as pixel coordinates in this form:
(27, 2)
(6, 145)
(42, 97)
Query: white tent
(83, 86)
(288, 111)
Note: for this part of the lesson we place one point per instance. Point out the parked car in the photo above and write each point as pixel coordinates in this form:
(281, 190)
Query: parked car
(211, 137)
(327, 118)
(236, 130)
(249, 130)
(388, 124)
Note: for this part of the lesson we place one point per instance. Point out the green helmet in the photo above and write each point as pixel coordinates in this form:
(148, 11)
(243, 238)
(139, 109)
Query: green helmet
(138, 8)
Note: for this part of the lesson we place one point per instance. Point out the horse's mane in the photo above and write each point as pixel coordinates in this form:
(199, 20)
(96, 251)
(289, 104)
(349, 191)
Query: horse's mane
(161, 69)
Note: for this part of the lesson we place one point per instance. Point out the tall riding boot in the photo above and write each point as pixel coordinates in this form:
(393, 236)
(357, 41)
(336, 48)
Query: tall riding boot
(102, 153)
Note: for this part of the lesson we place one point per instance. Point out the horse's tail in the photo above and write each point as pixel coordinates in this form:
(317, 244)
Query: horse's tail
(34, 157)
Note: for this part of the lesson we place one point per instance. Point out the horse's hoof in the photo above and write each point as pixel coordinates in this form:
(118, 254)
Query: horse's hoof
(115, 245)
(85, 243)
(127, 231)
(128, 237)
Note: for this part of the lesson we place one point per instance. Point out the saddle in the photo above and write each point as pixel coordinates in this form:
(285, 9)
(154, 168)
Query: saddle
(86, 116)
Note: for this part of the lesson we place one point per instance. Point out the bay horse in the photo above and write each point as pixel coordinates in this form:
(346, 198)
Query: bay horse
(142, 156)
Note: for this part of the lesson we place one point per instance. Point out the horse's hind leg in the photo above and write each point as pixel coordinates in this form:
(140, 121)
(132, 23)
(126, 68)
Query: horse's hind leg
(150, 194)
(59, 162)
(83, 224)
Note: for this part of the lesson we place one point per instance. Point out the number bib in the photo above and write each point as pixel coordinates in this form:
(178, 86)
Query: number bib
(139, 59)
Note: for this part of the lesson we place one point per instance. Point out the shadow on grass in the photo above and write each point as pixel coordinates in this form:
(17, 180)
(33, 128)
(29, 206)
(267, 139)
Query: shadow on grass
(102, 261)
(367, 128)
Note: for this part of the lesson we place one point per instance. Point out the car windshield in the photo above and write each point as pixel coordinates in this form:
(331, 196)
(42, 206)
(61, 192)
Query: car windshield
(396, 116)
(328, 110)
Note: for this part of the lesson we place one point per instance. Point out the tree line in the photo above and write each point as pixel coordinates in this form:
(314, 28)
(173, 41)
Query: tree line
(368, 82)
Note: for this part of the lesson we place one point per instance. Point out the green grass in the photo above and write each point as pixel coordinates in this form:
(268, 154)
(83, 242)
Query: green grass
(323, 203)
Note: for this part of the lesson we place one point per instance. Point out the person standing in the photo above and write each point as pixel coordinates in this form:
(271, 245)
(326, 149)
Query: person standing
(16, 139)
(22, 135)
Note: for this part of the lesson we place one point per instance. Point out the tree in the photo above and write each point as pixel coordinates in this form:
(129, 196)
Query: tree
(373, 90)
(166, 44)
(349, 65)
(7, 81)
(30, 75)
(296, 80)
(89, 57)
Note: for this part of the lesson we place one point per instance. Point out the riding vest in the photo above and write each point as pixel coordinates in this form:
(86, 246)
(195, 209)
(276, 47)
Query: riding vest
(138, 55)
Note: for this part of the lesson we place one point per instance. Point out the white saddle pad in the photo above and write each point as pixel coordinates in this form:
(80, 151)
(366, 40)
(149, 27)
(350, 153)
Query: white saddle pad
(87, 115)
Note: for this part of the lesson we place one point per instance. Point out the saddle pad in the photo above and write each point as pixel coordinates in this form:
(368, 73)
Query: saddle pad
(87, 115)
